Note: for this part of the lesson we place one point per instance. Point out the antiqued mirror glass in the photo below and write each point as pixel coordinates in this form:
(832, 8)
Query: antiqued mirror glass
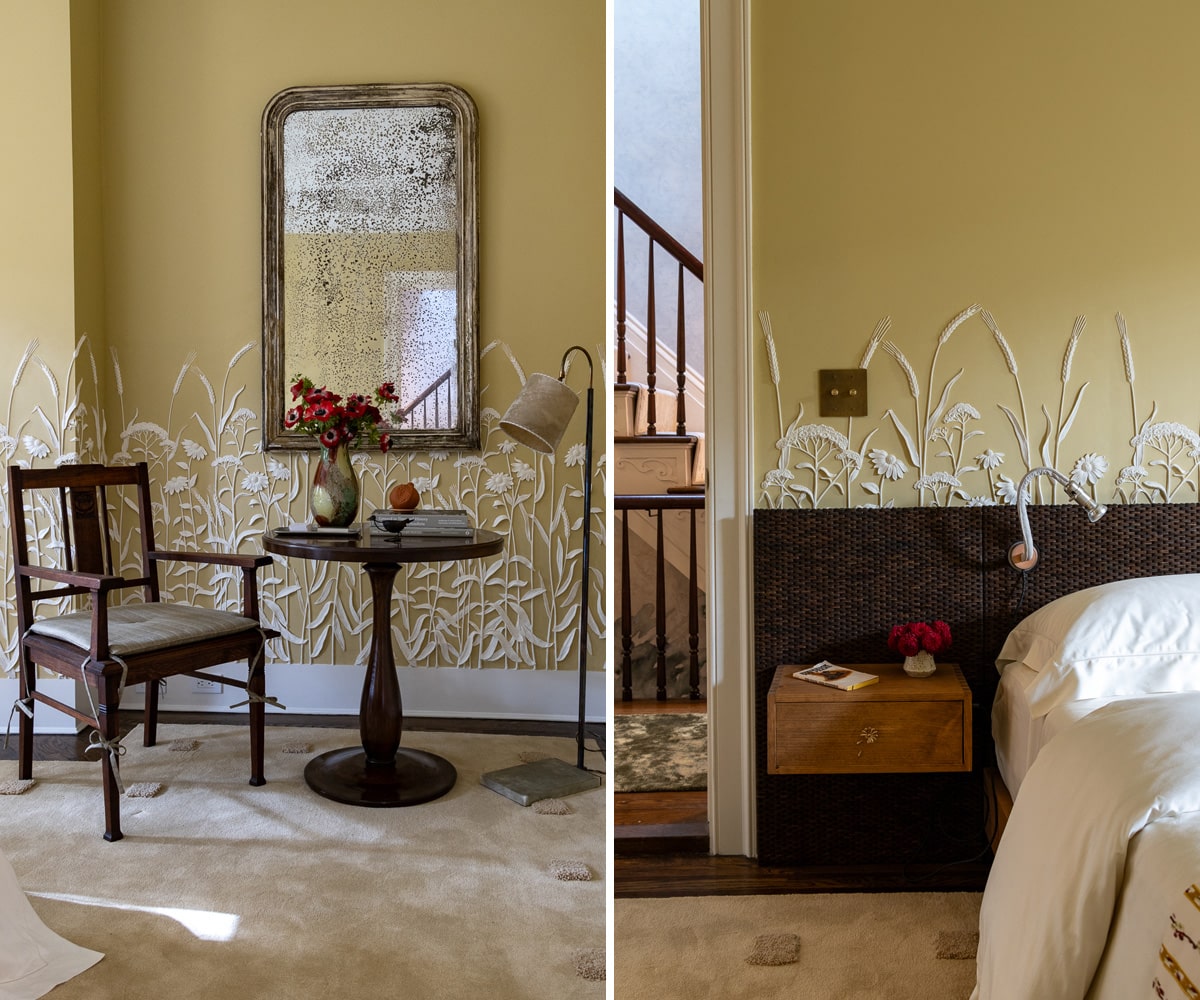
(369, 255)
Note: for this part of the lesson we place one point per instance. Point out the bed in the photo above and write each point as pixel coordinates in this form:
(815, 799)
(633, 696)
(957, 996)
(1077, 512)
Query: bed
(1095, 887)
(829, 583)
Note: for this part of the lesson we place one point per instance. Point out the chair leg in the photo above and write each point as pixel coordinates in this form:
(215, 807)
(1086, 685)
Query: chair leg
(258, 715)
(110, 729)
(25, 725)
(150, 719)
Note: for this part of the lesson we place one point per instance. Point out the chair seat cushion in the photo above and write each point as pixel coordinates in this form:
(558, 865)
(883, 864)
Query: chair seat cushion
(140, 628)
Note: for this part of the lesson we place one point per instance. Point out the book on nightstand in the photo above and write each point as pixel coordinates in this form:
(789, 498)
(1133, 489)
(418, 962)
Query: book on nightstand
(831, 675)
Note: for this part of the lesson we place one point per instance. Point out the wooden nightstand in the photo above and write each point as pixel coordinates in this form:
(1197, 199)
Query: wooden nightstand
(900, 724)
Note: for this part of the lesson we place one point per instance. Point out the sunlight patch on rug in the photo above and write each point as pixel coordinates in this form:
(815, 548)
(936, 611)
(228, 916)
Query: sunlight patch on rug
(775, 949)
(207, 925)
(660, 753)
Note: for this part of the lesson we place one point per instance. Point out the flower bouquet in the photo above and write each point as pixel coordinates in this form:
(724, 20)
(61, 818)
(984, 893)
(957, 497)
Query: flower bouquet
(338, 423)
(918, 642)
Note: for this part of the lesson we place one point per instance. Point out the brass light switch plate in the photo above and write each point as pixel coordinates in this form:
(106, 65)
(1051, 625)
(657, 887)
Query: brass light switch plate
(843, 392)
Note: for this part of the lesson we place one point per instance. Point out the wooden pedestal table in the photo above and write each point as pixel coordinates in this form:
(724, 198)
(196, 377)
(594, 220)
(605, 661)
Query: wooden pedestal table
(380, 773)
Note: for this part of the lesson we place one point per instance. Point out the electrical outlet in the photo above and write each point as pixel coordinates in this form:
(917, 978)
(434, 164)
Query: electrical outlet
(202, 685)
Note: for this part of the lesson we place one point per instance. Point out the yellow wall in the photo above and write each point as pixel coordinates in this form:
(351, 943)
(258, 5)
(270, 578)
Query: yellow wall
(36, 253)
(1038, 159)
(165, 264)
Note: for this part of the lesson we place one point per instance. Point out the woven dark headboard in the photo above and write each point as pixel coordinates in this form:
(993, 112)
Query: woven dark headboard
(828, 584)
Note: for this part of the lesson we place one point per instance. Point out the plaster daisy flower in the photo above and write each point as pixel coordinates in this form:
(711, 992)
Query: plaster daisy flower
(36, 447)
(990, 459)
(193, 450)
(575, 455)
(523, 471)
(499, 482)
(888, 466)
(508, 446)
(178, 484)
(1089, 469)
(254, 482)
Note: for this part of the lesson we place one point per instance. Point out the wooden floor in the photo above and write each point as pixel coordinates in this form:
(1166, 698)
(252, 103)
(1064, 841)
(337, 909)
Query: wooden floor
(661, 848)
(53, 746)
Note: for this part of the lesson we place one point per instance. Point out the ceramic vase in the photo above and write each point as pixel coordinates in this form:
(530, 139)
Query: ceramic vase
(333, 499)
(921, 665)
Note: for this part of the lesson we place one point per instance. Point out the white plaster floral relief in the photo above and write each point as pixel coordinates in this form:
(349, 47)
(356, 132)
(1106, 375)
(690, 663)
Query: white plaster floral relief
(936, 448)
(214, 488)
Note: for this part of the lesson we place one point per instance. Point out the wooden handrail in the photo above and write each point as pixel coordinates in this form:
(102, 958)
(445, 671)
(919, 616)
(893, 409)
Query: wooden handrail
(686, 262)
(656, 232)
(443, 379)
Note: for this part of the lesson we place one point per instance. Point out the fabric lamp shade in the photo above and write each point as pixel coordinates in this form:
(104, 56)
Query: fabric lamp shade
(538, 417)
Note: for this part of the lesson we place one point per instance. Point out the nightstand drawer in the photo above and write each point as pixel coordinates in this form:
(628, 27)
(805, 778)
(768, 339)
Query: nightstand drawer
(899, 725)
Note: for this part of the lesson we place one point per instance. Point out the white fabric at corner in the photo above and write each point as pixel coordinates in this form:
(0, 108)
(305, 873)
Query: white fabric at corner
(33, 959)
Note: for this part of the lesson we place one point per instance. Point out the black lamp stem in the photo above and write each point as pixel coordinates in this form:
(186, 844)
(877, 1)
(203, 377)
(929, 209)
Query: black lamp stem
(587, 534)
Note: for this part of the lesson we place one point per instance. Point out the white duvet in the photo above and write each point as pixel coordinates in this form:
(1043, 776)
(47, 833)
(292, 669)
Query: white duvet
(33, 959)
(1072, 908)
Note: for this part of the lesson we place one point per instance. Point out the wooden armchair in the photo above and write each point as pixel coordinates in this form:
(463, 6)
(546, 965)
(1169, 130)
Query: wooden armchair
(110, 645)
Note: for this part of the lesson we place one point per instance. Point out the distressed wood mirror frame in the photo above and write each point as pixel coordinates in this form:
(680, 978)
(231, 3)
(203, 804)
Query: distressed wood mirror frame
(370, 269)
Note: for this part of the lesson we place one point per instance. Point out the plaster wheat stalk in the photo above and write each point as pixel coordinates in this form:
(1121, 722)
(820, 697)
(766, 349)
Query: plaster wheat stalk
(881, 331)
(1010, 360)
(946, 334)
(1127, 357)
(915, 391)
(30, 348)
(1068, 357)
(764, 319)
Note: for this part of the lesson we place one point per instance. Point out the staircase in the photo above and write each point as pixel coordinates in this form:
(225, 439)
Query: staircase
(658, 478)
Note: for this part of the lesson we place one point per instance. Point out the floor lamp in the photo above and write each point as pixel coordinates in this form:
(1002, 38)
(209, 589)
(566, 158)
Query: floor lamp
(538, 418)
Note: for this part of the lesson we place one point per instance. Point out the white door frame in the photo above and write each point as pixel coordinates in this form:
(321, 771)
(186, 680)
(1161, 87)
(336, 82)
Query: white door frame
(729, 431)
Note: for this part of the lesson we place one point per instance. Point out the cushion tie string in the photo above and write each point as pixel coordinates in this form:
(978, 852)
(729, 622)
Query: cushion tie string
(24, 705)
(21, 704)
(96, 741)
(254, 696)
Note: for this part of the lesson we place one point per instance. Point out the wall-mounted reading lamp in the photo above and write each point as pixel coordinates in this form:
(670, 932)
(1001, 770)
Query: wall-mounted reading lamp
(1022, 555)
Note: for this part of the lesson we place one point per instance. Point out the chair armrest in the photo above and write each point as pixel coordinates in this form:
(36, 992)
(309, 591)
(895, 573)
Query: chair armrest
(98, 582)
(247, 563)
(244, 560)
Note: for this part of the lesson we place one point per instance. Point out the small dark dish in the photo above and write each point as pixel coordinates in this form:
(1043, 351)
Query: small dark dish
(392, 525)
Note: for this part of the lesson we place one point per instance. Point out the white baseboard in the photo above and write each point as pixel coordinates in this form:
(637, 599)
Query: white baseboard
(327, 689)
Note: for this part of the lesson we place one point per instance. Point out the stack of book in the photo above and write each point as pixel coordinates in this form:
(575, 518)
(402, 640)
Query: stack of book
(426, 521)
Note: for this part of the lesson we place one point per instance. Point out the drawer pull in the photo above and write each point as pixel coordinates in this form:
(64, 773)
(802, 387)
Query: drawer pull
(868, 735)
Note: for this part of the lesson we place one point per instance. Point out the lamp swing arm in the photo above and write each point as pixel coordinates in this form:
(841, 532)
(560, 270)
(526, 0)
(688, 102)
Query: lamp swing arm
(1022, 555)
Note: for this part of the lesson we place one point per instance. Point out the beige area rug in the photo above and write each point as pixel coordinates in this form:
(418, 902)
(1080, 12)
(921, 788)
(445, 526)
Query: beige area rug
(843, 946)
(224, 890)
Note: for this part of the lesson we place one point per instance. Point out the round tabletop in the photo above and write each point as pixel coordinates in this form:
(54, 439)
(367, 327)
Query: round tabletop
(371, 547)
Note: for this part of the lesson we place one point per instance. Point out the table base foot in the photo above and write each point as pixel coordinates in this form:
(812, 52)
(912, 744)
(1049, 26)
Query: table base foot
(347, 776)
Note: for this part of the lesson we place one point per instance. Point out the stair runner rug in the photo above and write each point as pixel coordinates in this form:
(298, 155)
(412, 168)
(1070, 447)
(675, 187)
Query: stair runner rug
(660, 753)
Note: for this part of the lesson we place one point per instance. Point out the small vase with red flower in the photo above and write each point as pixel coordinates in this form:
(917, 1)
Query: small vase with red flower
(338, 423)
(918, 643)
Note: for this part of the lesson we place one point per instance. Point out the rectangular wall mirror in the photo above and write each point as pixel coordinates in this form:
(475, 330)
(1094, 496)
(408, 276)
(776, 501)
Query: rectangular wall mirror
(369, 255)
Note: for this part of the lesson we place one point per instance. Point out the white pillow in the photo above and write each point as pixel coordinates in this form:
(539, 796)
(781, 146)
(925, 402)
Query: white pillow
(1126, 638)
